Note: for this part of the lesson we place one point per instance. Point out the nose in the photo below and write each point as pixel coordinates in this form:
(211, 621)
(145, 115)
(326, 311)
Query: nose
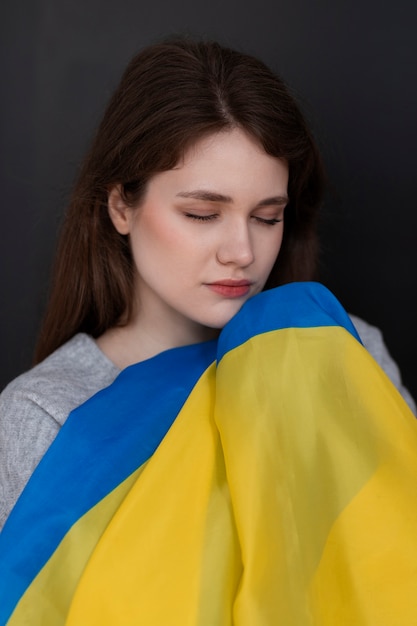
(235, 246)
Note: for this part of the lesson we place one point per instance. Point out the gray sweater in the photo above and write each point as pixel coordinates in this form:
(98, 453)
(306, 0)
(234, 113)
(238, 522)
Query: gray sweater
(35, 405)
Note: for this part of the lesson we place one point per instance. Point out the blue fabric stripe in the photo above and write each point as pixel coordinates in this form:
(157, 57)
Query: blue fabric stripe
(100, 445)
(296, 305)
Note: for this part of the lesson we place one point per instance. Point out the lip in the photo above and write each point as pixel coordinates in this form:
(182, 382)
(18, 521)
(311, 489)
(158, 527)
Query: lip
(230, 288)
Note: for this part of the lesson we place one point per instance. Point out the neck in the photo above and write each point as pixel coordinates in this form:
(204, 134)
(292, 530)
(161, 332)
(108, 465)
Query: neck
(146, 336)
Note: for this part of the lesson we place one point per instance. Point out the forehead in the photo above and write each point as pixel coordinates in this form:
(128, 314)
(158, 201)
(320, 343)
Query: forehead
(228, 161)
(218, 144)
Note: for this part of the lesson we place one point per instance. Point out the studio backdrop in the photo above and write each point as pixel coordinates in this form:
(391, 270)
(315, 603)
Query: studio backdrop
(352, 67)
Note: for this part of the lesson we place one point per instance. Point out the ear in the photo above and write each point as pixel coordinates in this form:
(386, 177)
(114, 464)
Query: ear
(119, 211)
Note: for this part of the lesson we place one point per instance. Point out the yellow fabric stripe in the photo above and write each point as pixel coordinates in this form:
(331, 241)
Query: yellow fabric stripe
(58, 579)
(332, 409)
(150, 557)
(368, 572)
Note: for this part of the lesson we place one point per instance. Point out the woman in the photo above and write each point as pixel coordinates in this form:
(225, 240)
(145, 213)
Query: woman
(192, 92)
(177, 221)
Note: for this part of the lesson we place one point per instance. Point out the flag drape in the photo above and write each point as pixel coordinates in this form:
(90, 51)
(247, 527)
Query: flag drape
(268, 477)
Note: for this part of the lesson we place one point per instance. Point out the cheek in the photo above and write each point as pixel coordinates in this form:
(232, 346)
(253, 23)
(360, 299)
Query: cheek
(162, 245)
(271, 251)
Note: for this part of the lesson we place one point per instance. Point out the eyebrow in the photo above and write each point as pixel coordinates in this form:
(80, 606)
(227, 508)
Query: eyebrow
(211, 196)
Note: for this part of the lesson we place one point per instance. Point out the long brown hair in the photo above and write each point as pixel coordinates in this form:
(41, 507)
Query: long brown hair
(170, 95)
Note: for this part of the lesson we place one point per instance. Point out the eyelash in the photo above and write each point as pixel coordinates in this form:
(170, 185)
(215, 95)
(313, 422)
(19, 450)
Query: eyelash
(271, 222)
(209, 218)
(201, 218)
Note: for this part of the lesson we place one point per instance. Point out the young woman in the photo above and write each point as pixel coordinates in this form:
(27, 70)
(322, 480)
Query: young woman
(177, 221)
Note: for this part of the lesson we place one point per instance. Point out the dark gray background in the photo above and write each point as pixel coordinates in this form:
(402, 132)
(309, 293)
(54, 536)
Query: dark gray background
(353, 67)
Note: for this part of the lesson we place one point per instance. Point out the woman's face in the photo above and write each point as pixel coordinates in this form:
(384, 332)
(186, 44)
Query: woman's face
(206, 235)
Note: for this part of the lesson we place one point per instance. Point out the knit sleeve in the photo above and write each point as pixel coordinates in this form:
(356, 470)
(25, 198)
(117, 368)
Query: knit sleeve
(373, 341)
(26, 431)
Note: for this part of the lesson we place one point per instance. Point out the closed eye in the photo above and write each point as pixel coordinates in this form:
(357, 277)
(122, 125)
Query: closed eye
(267, 222)
(201, 218)
(208, 218)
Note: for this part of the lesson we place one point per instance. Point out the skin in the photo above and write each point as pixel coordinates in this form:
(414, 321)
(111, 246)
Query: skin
(204, 240)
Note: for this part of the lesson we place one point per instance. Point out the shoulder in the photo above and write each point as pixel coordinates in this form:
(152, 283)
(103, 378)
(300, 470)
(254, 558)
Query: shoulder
(34, 406)
(373, 340)
(65, 379)
(370, 335)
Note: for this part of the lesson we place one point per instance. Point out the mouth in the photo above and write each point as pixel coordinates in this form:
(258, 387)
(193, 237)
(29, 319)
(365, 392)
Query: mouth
(230, 288)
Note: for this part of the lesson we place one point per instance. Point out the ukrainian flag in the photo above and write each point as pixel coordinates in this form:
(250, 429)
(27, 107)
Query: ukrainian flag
(267, 478)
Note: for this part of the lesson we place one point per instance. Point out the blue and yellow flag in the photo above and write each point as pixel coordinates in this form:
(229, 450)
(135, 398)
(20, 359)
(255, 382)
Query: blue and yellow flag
(267, 478)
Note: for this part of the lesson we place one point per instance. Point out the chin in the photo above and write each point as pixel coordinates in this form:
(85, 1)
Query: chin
(216, 317)
(220, 321)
